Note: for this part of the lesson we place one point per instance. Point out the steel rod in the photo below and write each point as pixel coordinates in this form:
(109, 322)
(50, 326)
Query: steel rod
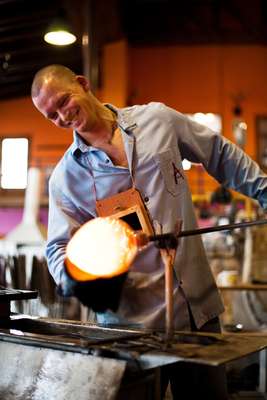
(169, 238)
(227, 227)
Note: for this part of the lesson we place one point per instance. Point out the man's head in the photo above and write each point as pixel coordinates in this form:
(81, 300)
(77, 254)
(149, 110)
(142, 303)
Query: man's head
(64, 98)
(46, 74)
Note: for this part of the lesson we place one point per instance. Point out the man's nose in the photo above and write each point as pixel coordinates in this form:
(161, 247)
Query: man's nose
(63, 115)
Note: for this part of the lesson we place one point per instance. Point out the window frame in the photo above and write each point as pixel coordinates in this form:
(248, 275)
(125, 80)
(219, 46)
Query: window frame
(13, 195)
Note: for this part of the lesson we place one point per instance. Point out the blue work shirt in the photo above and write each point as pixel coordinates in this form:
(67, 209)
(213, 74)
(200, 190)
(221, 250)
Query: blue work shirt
(156, 140)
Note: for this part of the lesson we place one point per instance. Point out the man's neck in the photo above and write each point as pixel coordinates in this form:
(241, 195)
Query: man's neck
(100, 136)
(103, 131)
(112, 145)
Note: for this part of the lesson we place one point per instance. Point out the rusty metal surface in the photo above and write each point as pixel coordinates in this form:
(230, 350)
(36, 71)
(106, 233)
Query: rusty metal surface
(225, 348)
(143, 348)
(92, 333)
(69, 360)
(44, 374)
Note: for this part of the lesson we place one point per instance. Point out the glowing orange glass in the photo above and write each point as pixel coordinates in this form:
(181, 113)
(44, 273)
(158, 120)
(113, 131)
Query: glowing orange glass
(101, 248)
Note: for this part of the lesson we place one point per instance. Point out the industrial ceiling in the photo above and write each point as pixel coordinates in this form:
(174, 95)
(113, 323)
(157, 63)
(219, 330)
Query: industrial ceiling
(142, 22)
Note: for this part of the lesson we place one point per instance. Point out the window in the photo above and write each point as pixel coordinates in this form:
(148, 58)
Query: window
(14, 163)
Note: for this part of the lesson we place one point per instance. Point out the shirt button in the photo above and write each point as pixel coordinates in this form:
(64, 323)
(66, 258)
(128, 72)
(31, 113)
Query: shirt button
(146, 199)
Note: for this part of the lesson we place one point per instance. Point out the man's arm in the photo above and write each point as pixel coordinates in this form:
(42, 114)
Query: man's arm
(63, 221)
(222, 159)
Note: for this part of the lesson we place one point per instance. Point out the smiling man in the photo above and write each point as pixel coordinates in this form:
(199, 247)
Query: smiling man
(141, 147)
(67, 101)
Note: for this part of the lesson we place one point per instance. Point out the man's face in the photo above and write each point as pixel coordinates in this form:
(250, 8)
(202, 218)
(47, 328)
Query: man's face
(67, 104)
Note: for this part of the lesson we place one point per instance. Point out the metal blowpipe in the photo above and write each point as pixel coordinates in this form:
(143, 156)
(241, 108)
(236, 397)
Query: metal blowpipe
(169, 240)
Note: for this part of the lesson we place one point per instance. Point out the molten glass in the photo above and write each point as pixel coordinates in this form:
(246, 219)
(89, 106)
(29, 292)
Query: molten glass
(101, 248)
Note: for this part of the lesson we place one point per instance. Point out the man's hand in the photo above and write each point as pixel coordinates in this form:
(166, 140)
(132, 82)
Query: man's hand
(99, 295)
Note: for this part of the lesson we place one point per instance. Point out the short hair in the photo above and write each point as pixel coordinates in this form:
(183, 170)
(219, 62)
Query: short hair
(51, 71)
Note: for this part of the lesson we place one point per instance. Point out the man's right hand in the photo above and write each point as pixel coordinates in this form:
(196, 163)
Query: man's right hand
(99, 294)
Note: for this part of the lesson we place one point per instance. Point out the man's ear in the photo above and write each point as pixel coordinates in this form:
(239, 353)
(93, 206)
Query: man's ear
(83, 81)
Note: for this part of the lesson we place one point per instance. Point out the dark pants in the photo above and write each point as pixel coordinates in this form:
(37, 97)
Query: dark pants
(193, 381)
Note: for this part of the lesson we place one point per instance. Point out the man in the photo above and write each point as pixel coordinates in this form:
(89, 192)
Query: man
(141, 146)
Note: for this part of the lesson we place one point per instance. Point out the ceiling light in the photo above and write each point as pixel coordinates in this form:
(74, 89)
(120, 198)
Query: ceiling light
(59, 33)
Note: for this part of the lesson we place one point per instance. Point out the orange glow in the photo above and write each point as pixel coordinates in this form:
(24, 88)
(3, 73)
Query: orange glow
(101, 248)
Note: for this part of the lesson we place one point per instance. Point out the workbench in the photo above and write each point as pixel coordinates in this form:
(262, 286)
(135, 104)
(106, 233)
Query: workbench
(46, 359)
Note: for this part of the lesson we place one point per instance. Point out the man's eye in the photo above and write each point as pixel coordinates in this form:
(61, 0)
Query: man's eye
(64, 101)
(53, 117)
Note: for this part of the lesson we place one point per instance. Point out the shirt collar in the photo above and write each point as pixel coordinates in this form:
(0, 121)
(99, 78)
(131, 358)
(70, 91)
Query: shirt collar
(78, 144)
(124, 117)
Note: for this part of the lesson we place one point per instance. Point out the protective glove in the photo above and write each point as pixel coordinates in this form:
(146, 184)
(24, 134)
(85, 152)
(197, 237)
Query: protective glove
(99, 295)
